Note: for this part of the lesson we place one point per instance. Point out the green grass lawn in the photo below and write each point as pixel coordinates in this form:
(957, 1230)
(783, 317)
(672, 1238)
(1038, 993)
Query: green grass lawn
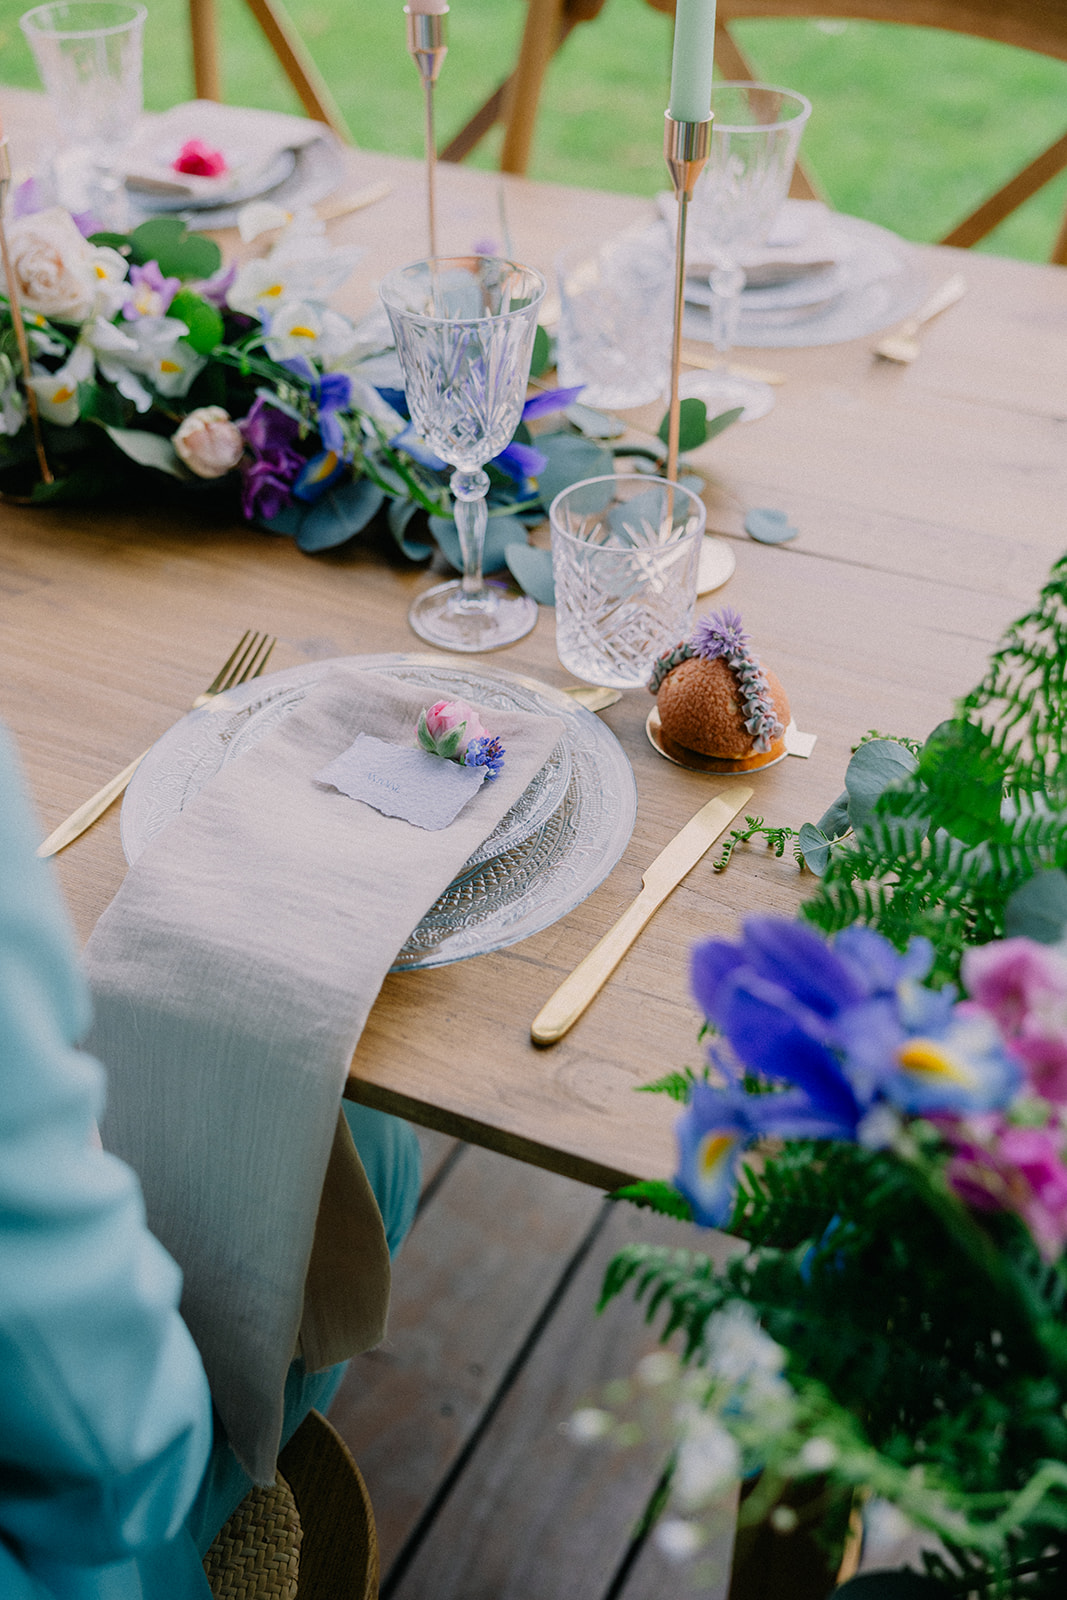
(911, 127)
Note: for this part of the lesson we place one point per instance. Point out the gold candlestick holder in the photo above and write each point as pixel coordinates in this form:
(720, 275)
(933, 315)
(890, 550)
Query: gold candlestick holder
(685, 148)
(427, 48)
(16, 319)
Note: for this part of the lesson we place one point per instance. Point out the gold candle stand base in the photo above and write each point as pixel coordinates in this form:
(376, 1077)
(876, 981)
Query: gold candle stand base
(685, 149)
(427, 48)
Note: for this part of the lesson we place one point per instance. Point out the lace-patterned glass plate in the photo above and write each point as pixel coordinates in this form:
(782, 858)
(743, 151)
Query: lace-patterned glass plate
(552, 849)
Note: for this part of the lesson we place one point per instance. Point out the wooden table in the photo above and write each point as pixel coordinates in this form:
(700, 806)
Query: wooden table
(930, 502)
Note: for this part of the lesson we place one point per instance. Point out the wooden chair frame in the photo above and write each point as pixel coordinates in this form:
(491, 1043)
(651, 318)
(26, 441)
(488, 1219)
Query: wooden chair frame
(286, 44)
(1038, 25)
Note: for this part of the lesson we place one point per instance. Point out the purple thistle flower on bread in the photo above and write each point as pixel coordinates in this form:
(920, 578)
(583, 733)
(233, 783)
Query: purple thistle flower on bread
(720, 634)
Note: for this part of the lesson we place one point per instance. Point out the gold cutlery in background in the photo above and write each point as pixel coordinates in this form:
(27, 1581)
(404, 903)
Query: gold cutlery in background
(902, 344)
(709, 360)
(246, 662)
(664, 874)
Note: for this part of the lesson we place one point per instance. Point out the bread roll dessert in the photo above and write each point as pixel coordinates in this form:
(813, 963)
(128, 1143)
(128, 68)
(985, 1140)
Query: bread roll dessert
(714, 697)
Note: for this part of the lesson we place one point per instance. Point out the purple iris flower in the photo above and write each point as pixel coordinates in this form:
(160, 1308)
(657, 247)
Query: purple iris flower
(332, 393)
(152, 292)
(217, 287)
(523, 462)
(267, 478)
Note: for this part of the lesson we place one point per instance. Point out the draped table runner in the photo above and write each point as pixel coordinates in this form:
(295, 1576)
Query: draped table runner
(232, 976)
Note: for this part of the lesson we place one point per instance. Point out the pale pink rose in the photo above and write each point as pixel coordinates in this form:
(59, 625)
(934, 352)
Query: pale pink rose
(59, 273)
(208, 442)
(448, 714)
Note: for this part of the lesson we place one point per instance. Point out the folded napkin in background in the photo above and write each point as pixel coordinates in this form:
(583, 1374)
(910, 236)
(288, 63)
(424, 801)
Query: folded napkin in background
(802, 240)
(232, 976)
(251, 141)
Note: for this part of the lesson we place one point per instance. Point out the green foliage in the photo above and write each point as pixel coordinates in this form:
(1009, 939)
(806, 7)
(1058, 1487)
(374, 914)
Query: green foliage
(655, 1195)
(945, 1345)
(776, 840)
(945, 851)
(694, 426)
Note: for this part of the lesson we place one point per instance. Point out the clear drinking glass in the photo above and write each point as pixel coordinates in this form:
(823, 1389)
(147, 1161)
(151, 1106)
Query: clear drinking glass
(755, 134)
(625, 551)
(89, 56)
(464, 329)
(615, 323)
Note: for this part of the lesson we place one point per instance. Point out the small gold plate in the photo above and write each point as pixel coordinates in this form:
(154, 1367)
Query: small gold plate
(694, 761)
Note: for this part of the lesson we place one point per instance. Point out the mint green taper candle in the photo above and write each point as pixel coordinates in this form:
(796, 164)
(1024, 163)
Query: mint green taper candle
(693, 60)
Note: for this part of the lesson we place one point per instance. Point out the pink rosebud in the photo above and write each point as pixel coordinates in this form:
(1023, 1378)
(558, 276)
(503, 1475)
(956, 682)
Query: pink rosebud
(208, 442)
(199, 159)
(448, 714)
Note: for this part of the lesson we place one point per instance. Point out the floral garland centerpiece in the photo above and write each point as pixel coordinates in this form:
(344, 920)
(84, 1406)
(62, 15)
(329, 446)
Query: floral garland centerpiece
(150, 356)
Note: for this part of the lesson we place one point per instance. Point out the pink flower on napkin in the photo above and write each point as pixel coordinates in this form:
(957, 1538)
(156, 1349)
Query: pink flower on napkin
(199, 159)
(448, 715)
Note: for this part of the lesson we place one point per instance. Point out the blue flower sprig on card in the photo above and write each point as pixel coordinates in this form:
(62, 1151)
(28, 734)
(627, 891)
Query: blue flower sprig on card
(453, 729)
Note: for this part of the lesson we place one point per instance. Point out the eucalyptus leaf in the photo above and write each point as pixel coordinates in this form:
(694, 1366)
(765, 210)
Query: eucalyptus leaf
(835, 820)
(148, 450)
(398, 517)
(692, 425)
(632, 519)
(531, 567)
(1038, 910)
(180, 254)
(541, 359)
(340, 515)
(571, 458)
(768, 526)
(594, 424)
(815, 848)
(287, 522)
(724, 420)
(875, 765)
(501, 532)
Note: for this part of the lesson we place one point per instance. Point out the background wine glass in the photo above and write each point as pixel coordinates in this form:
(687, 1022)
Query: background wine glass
(89, 54)
(755, 134)
(464, 329)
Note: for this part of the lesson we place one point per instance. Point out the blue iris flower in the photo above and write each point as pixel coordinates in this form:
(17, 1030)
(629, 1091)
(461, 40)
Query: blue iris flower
(834, 1030)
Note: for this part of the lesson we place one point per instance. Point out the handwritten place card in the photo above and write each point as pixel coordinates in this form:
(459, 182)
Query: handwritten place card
(399, 782)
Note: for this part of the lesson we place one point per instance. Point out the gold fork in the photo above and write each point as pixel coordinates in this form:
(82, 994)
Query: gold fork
(246, 662)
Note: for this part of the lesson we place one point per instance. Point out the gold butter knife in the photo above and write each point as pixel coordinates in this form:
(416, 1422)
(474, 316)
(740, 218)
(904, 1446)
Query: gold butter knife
(664, 874)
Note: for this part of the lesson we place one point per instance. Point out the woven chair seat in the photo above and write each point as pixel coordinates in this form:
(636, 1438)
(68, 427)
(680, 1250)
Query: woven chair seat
(256, 1556)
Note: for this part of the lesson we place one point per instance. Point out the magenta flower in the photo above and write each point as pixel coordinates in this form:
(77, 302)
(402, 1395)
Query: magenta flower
(1019, 1170)
(1023, 987)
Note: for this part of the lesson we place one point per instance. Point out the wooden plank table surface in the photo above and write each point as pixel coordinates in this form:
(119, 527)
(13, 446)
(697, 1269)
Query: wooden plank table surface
(930, 502)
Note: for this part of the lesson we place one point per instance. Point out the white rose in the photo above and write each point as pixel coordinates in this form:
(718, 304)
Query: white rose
(208, 442)
(59, 273)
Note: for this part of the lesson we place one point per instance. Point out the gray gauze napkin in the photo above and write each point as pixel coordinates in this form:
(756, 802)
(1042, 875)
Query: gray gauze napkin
(232, 976)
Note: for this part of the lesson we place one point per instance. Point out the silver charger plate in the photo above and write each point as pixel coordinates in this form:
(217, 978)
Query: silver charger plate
(260, 182)
(551, 850)
(882, 282)
(317, 171)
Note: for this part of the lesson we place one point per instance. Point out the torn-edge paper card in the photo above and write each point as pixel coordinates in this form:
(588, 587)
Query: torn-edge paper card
(402, 781)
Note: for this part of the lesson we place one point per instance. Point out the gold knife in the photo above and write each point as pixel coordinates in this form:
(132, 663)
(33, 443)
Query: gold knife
(668, 870)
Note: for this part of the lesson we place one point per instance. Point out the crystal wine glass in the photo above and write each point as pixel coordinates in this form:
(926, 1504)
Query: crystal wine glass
(754, 139)
(464, 329)
(89, 55)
